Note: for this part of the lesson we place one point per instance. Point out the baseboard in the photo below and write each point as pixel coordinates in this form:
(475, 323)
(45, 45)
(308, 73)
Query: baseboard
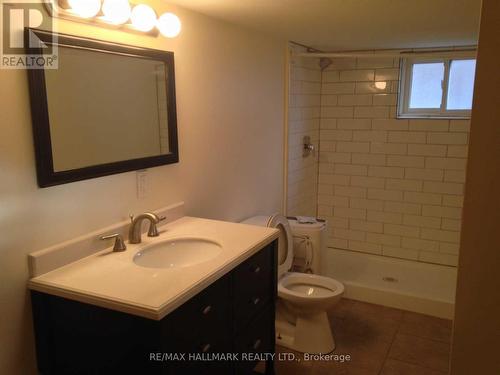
(440, 309)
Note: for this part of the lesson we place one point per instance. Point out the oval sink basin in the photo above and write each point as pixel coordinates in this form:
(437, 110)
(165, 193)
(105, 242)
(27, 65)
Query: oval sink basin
(178, 252)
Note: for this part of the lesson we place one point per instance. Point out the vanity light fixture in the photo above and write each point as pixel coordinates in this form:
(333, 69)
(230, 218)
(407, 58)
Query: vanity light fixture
(169, 25)
(143, 17)
(118, 14)
(84, 9)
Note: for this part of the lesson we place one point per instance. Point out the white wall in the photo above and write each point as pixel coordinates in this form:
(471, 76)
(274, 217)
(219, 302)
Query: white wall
(476, 330)
(303, 120)
(230, 120)
(388, 186)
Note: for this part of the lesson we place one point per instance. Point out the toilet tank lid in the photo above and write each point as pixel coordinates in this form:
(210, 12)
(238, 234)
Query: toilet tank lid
(315, 224)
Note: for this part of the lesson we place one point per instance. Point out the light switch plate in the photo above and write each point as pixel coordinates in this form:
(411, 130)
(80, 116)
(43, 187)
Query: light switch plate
(142, 183)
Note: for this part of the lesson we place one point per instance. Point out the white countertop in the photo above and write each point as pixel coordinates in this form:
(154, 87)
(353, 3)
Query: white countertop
(112, 280)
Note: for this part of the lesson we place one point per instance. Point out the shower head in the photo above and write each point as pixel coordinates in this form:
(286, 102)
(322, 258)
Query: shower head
(325, 62)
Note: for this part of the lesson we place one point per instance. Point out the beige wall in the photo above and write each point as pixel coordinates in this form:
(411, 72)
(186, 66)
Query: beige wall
(476, 339)
(388, 186)
(303, 120)
(230, 120)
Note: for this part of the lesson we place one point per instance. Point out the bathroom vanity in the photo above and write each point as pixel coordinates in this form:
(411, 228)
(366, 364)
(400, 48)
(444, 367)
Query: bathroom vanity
(176, 320)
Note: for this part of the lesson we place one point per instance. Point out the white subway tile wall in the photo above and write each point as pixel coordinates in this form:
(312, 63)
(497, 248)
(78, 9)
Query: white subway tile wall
(387, 186)
(303, 119)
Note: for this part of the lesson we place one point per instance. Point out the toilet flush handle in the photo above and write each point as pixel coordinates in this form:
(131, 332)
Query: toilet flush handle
(256, 344)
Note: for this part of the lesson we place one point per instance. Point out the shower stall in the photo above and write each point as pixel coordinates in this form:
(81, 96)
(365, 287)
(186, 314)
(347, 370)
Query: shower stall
(390, 187)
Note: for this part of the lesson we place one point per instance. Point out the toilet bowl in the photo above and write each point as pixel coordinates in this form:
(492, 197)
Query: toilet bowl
(303, 298)
(306, 293)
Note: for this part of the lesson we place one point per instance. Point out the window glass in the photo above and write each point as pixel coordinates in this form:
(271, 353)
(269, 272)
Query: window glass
(461, 84)
(426, 85)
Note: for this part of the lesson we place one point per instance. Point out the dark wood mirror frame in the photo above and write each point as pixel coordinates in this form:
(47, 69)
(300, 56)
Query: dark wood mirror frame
(46, 175)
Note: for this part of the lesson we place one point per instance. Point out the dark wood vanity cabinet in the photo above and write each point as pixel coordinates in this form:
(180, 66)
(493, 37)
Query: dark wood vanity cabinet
(233, 319)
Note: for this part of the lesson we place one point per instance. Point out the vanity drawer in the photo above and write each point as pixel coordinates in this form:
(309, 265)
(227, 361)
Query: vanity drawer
(203, 319)
(201, 360)
(256, 338)
(253, 286)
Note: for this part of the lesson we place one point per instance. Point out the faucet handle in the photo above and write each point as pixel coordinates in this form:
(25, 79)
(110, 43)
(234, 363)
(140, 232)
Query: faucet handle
(119, 244)
(153, 230)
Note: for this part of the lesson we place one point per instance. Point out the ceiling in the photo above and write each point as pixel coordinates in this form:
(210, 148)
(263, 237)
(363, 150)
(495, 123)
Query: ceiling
(333, 25)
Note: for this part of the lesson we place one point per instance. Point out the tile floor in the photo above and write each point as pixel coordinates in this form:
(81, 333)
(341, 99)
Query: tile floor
(380, 341)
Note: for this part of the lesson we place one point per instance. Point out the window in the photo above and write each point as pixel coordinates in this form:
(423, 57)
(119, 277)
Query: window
(439, 88)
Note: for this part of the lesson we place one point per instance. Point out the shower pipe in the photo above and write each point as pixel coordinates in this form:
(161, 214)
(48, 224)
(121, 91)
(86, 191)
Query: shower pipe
(466, 51)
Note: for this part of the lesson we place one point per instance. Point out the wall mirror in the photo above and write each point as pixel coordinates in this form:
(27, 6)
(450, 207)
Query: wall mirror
(108, 108)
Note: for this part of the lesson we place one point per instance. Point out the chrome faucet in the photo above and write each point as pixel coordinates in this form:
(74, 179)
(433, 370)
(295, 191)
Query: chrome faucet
(134, 234)
(119, 244)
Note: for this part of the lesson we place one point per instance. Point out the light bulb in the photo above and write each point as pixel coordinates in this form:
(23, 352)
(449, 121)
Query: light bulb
(85, 8)
(381, 85)
(169, 25)
(116, 11)
(143, 17)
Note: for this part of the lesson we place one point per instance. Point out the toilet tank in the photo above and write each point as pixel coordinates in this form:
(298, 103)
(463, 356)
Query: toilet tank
(309, 244)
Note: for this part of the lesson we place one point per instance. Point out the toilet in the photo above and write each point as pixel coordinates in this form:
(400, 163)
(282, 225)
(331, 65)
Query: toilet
(303, 298)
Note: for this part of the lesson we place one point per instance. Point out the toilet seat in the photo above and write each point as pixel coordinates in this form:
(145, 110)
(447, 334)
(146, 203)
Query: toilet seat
(301, 320)
(308, 286)
(285, 240)
(303, 286)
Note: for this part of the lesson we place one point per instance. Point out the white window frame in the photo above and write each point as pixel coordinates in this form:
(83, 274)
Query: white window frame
(404, 110)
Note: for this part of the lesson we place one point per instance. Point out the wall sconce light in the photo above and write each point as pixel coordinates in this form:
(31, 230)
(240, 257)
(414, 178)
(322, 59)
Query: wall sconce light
(117, 14)
(380, 85)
